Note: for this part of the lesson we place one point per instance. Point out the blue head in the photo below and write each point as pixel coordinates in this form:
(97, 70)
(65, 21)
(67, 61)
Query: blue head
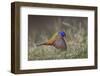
(62, 34)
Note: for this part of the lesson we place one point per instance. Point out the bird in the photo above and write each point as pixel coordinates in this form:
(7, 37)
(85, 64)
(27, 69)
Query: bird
(57, 40)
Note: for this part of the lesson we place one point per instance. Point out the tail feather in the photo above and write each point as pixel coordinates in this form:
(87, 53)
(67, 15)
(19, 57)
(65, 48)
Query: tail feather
(42, 44)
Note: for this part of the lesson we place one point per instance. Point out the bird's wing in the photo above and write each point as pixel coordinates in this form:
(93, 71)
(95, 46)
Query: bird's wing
(52, 39)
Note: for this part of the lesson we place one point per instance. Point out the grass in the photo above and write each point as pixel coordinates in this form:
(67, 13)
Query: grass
(49, 52)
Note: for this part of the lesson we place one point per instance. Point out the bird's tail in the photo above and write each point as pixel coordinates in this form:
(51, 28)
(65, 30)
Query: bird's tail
(41, 44)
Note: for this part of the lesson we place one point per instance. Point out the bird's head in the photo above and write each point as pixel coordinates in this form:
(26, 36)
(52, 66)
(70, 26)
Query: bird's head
(62, 34)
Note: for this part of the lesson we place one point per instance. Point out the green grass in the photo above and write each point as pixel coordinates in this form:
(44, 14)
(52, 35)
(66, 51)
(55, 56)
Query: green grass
(46, 54)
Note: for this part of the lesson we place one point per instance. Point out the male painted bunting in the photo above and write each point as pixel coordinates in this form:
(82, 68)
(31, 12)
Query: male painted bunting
(57, 40)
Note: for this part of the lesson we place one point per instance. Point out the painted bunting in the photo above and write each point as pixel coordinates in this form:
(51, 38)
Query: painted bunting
(57, 40)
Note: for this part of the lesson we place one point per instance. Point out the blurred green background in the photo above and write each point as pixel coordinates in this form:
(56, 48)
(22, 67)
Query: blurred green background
(41, 28)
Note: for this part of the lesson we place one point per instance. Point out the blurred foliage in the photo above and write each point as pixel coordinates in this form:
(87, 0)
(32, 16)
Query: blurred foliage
(76, 38)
